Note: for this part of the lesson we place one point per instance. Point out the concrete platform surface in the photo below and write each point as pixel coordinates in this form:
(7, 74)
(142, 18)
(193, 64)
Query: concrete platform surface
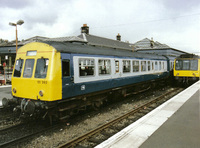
(182, 130)
(170, 125)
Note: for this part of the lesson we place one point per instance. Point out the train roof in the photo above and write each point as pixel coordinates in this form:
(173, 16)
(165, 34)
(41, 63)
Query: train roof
(188, 56)
(83, 48)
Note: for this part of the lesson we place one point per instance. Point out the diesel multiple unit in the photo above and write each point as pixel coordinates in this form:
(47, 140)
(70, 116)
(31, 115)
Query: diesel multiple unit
(57, 78)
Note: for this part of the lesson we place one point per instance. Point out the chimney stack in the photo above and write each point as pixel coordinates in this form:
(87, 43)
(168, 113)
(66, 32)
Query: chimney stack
(152, 42)
(118, 37)
(85, 29)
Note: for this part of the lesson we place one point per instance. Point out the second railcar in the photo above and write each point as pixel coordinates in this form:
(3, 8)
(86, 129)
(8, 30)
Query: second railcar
(187, 68)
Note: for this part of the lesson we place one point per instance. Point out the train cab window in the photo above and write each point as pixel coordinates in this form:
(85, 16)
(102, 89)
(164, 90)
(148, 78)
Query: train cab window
(41, 68)
(104, 67)
(126, 66)
(143, 65)
(149, 65)
(18, 68)
(65, 68)
(193, 64)
(186, 65)
(28, 69)
(135, 66)
(116, 66)
(179, 64)
(86, 67)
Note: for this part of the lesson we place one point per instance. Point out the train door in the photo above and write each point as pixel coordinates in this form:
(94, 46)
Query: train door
(117, 69)
(66, 76)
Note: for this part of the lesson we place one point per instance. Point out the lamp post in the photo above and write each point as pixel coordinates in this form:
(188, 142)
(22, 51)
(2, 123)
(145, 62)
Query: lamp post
(20, 22)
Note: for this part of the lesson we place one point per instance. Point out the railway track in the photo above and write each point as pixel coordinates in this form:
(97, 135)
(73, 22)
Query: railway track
(8, 118)
(24, 130)
(103, 132)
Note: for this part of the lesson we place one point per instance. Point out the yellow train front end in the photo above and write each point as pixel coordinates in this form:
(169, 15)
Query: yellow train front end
(36, 79)
(187, 70)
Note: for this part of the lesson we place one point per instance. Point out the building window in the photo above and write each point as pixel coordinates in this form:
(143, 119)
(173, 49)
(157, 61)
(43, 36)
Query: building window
(86, 67)
(28, 69)
(126, 66)
(104, 67)
(65, 68)
(135, 66)
(143, 65)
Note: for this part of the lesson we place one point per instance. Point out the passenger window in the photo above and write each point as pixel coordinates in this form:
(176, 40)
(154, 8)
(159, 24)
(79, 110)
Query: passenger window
(159, 65)
(65, 68)
(41, 68)
(163, 65)
(116, 66)
(152, 65)
(86, 67)
(143, 66)
(104, 67)
(28, 69)
(156, 65)
(149, 65)
(18, 68)
(126, 66)
(135, 66)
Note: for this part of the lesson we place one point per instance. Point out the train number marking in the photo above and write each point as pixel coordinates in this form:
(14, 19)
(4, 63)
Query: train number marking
(42, 82)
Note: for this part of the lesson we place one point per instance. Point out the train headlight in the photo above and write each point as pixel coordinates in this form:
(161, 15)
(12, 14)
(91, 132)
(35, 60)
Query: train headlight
(177, 74)
(41, 93)
(14, 90)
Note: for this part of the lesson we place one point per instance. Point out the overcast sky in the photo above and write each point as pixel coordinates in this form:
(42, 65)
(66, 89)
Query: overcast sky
(172, 22)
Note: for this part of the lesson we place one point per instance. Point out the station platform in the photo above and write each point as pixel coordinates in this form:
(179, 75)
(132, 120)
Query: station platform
(174, 124)
(5, 91)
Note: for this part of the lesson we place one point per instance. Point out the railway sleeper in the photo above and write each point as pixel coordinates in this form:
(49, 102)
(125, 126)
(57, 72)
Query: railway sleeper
(95, 140)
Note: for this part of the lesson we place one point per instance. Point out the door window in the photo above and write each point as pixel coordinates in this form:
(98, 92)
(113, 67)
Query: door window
(66, 68)
(116, 66)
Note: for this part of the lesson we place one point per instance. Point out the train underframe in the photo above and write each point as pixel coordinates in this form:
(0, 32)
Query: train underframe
(186, 80)
(66, 108)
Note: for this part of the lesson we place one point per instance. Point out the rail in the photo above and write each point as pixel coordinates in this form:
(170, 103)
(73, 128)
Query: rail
(142, 108)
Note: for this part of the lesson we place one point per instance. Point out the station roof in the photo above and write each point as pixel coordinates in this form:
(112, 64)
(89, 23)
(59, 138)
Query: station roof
(147, 44)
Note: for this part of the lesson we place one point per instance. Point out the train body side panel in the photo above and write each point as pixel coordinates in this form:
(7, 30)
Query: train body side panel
(72, 88)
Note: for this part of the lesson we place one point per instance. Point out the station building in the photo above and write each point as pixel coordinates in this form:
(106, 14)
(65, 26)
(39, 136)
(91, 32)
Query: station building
(8, 49)
(154, 47)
